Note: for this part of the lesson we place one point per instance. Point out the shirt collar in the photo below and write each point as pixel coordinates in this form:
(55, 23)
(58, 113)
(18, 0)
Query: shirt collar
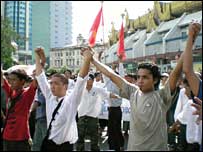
(58, 99)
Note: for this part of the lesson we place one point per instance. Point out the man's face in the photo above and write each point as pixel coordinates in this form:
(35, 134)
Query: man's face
(57, 87)
(15, 82)
(98, 78)
(90, 82)
(145, 80)
(129, 79)
(68, 74)
(163, 79)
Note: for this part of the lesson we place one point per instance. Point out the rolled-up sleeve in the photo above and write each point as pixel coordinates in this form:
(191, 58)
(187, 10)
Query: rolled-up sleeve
(166, 95)
(127, 89)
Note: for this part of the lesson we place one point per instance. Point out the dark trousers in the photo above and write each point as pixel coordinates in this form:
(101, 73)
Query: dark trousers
(16, 145)
(88, 126)
(52, 146)
(182, 142)
(193, 147)
(115, 136)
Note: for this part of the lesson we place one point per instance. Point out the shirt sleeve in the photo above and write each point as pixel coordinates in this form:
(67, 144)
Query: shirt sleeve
(7, 88)
(181, 103)
(44, 85)
(127, 89)
(76, 94)
(103, 93)
(186, 113)
(165, 94)
(30, 93)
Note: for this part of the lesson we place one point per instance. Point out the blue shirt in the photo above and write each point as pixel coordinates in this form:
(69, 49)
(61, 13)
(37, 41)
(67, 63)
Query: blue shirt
(41, 109)
(200, 90)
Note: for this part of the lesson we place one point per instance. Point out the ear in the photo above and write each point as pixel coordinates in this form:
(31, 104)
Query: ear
(156, 81)
(66, 86)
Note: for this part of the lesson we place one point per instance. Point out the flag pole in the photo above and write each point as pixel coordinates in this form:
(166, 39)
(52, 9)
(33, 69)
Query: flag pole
(102, 19)
(100, 53)
(103, 23)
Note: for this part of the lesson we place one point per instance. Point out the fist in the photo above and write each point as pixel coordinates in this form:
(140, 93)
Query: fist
(194, 29)
(40, 52)
(87, 52)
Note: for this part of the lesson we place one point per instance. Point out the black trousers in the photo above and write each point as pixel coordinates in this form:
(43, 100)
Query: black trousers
(16, 145)
(50, 145)
(115, 136)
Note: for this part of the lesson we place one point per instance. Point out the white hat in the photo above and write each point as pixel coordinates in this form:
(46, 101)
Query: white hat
(165, 75)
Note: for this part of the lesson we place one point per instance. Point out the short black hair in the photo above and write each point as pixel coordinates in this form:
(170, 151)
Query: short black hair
(132, 75)
(96, 74)
(62, 77)
(91, 76)
(154, 70)
(68, 71)
(20, 73)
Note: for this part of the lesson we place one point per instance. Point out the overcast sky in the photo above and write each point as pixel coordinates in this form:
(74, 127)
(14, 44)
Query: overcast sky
(84, 13)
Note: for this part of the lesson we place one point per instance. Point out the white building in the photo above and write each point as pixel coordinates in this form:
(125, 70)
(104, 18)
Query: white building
(69, 56)
(60, 23)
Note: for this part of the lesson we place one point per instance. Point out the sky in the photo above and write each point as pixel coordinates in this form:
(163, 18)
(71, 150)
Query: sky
(84, 13)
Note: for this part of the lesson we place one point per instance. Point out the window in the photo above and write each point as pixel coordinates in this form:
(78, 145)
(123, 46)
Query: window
(184, 35)
(61, 62)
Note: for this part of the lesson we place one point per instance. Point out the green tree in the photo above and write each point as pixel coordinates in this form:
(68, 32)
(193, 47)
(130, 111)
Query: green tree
(7, 36)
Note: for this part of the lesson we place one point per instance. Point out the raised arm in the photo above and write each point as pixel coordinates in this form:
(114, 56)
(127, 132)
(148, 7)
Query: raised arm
(118, 80)
(38, 55)
(193, 80)
(175, 74)
(87, 54)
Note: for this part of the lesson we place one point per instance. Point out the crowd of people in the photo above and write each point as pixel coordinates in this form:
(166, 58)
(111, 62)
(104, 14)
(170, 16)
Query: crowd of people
(165, 109)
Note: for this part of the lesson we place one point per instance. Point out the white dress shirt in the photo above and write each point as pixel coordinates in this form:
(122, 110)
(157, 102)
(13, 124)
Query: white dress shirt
(193, 130)
(181, 104)
(64, 127)
(91, 101)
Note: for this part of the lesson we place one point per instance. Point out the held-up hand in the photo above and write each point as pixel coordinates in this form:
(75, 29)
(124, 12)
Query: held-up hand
(87, 52)
(40, 51)
(194, 29)
(175, 128)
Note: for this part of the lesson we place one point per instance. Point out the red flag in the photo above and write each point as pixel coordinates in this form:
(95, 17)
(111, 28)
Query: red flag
(94, 28)
(121, 49)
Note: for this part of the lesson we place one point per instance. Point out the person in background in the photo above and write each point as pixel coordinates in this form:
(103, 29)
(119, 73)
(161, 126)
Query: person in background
(164, 77)
(39, 106)
(88, 112)
(195, 83)
(71, 82)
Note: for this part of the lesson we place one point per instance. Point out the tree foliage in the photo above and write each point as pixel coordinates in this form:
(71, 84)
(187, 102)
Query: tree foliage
(7, 36)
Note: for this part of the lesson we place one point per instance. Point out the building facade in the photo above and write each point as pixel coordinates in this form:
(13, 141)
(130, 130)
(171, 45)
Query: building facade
(20, 15)
(69, 56)
(160, 46)
(60, 23)
(41, 27)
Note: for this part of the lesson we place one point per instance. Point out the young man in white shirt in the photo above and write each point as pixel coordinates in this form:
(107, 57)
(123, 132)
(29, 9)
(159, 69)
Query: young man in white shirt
(88, 112)
(62, 133)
